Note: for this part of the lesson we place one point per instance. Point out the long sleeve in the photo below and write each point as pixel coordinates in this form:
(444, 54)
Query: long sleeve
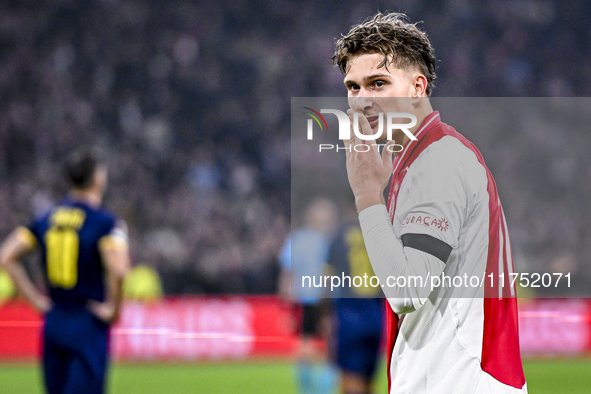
(391, 260)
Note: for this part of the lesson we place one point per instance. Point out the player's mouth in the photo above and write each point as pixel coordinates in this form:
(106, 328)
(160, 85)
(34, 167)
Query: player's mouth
(373, 121)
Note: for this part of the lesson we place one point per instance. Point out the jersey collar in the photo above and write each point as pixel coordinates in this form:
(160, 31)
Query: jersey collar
(430, 122)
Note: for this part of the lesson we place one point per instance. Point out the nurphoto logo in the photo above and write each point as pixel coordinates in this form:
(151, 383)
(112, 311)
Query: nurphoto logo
(392, 123)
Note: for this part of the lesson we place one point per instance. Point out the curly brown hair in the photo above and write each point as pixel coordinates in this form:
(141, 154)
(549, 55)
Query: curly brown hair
(392, 35)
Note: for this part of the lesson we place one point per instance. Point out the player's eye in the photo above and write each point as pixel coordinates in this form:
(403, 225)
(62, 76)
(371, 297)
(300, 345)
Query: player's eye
(379, 84)
(353, 87)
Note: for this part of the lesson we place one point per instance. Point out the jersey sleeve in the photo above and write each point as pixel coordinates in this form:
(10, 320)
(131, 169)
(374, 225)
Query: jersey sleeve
(390, 260)
(434, 201)
(116, 237)
(27, 235)
(33, 233)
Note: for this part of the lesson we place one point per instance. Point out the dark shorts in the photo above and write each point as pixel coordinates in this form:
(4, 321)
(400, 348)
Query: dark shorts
(74, 352)
(311, 317)
(359, 333)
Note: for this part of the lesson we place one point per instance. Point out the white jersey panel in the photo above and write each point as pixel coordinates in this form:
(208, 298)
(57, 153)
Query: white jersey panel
(439, 346)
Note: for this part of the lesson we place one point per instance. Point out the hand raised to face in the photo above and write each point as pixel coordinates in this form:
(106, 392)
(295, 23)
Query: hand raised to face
(368, 170)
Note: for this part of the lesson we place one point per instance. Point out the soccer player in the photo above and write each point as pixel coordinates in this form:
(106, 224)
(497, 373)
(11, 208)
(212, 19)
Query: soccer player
(304, 253)
(85, 259)
(359, 311)
(443, 217)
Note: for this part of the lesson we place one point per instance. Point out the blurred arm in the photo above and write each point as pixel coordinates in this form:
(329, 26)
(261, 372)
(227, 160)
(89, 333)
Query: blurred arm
(18, 244)
(285, 284)
(389, 258)
(114, 252)
(285, 274)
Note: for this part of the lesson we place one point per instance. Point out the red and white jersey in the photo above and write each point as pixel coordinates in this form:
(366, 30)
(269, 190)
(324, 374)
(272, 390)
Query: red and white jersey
(468, 341)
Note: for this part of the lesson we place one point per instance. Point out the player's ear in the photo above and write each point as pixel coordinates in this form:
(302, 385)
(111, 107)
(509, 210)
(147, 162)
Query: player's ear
(419, 83)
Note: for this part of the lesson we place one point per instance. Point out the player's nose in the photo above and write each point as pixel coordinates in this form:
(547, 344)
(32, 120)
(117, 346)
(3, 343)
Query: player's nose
(362, 102)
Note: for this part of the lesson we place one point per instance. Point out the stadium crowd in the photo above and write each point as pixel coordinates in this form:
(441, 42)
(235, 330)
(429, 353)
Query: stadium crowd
(191, 101)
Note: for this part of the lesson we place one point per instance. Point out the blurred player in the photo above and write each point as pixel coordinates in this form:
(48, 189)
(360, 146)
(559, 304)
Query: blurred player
(443, 217)
(305, 253)
(359, 311)
(85, 259)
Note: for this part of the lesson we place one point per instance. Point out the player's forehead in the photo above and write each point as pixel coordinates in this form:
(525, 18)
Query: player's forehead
(365, 66)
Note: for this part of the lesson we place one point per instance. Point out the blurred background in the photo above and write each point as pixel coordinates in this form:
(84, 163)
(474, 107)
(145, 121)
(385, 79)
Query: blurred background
(191, 101)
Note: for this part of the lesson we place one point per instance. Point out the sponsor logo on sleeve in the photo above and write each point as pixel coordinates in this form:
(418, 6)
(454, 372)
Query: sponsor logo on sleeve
(442, 224)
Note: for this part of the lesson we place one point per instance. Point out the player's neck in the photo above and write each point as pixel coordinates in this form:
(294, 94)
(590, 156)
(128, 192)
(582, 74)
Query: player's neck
(89, 196)
(421, 112)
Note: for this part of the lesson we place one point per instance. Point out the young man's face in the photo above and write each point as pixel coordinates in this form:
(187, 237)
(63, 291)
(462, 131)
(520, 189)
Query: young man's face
(372, 90)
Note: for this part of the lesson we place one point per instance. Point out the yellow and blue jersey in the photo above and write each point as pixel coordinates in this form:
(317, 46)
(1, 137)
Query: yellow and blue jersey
(348, 257)
(359, 312)
(69, 237)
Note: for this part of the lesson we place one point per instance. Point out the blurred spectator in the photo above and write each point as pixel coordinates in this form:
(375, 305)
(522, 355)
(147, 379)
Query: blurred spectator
(142, 284)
